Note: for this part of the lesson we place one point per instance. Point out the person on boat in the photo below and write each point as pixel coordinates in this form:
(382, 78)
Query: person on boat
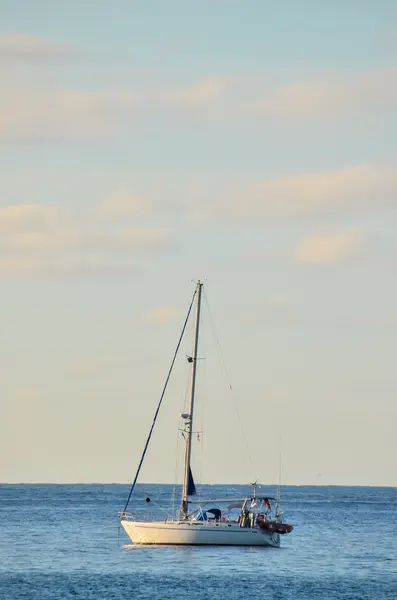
(216, 514)
(261, 519)
(261, 516)
(244, 518)
(268, 509)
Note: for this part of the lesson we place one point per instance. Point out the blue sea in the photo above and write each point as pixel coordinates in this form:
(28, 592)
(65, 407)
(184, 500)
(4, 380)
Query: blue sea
(64, 542)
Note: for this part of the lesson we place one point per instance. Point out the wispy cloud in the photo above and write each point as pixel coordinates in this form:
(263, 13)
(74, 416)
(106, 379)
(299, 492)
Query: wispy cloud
(123, 203)
(208, 97)
(45, 240)
(163, 315)
(202, 93)
(27, 217)
(328, 96)
(95, 366)
(272, 306)
(28, 48)
(42, 110)
(320, 249)
(257, 97)
(312, 194)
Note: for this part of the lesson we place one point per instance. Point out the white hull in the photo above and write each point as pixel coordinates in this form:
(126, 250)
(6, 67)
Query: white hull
(198, 533)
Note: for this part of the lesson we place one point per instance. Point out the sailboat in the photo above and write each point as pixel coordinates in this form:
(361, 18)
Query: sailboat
(254, 520)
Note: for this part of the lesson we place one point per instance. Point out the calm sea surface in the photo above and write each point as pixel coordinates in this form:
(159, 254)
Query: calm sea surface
(63, 541)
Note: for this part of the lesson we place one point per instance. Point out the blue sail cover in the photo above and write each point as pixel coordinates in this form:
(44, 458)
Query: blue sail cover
(191, 488)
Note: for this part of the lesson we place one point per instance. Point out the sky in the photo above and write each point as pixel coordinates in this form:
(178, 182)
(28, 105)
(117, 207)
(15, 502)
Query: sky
(147, 144)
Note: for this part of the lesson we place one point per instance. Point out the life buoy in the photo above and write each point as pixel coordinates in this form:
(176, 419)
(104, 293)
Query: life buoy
(271, 526)
(282, 528)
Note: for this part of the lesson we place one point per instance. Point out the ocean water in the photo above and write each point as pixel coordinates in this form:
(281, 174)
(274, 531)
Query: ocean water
(63, 541)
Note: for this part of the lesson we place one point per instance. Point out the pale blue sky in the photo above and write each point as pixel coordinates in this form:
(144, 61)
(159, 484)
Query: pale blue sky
(145, 144)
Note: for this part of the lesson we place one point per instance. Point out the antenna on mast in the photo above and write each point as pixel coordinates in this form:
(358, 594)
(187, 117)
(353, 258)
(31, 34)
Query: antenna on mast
(254, 485)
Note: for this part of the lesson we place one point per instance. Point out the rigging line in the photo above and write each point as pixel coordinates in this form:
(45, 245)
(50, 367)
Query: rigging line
(280, 467)
(200, 434)
(160, 402)
(152, 501)
(184, 409)
(216, 338)
(171, 506)
(172, 497)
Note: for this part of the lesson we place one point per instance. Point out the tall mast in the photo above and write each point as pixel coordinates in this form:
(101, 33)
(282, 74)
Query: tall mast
(189, 416)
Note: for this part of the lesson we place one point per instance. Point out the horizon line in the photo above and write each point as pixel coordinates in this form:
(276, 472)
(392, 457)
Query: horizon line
(206, 484)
